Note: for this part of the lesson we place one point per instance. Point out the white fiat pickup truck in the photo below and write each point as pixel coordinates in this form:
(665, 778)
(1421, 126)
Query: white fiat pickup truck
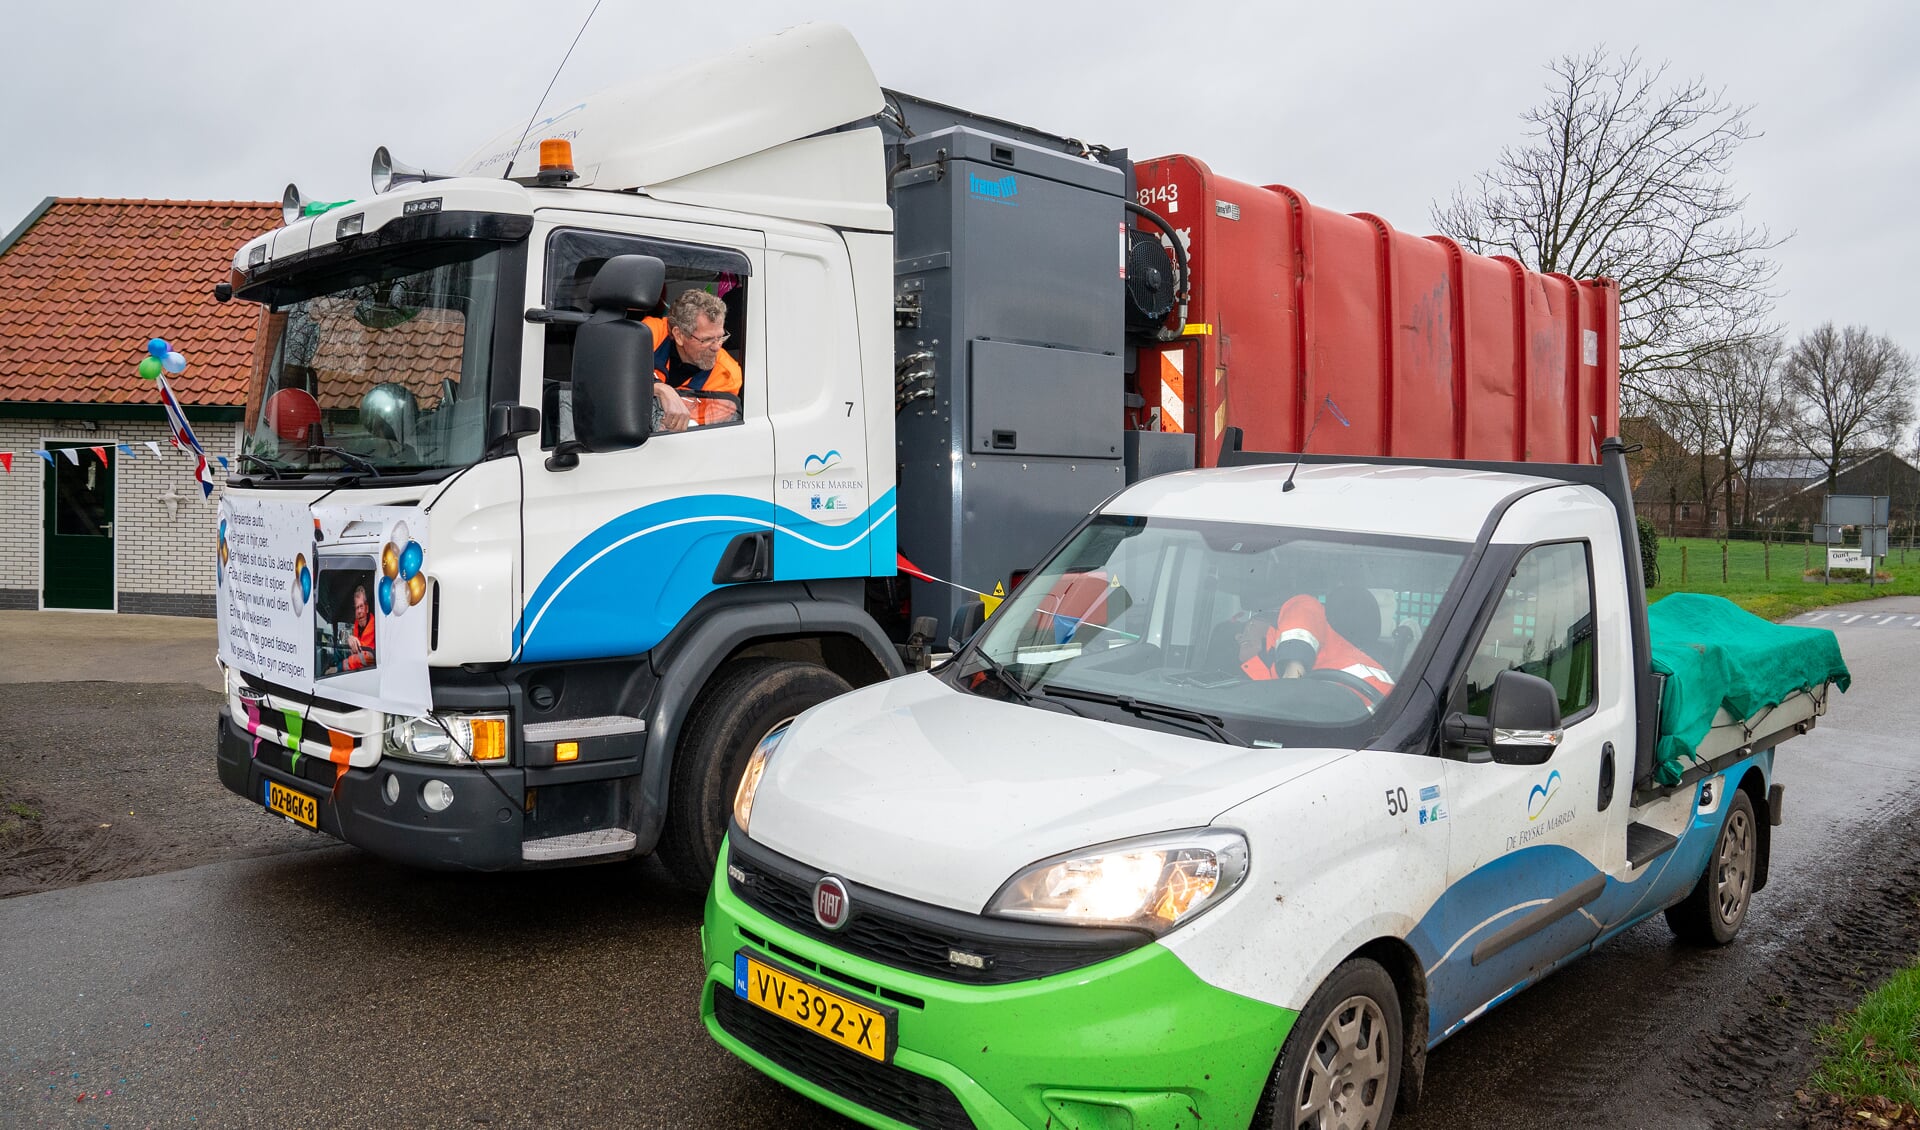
(1271, 778)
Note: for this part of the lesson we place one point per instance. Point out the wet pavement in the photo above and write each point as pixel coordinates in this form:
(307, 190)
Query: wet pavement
(324, 987)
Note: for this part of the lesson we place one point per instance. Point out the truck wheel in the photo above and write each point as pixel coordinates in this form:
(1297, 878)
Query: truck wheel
(1711, 915)
(747, 701)
(1340, 1065)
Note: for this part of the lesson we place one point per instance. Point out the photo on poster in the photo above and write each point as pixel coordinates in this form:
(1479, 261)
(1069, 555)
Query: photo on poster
(344, 621)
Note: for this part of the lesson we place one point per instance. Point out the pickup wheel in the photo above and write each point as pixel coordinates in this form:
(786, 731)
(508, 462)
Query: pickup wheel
(1340, 1065)
(1713, 913)
(744, 703)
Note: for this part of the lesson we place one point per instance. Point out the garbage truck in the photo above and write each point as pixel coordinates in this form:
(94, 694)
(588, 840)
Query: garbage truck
(571, 473)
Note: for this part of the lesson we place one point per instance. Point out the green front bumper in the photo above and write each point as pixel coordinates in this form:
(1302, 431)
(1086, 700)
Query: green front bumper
(1137, 1042)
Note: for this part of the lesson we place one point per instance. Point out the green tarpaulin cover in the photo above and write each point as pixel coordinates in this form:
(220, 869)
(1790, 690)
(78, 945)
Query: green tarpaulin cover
(1716, 654)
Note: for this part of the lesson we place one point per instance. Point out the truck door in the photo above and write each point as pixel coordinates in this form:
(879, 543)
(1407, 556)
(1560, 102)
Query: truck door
(1526, 857)
(619, 547)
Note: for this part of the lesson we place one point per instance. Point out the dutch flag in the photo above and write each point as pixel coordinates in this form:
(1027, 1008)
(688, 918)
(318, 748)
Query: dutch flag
(183, 436)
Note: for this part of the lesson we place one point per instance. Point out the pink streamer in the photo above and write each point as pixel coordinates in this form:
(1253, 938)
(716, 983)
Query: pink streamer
(253, 721)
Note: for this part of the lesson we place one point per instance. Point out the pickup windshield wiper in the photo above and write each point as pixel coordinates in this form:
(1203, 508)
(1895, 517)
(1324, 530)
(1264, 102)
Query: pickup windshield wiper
(1132, 705)
(357, 462)
(997, 670)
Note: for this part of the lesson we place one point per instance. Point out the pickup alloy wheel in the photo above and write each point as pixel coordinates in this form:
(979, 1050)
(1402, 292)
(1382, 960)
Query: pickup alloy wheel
(1340, 1066)
(1713, 913)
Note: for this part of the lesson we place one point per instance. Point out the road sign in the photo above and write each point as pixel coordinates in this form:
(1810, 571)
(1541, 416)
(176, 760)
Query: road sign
(1827, 535)
(1838, 558)
(1856, 509)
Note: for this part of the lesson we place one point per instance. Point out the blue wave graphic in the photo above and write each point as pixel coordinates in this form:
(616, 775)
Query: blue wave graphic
(820, 464)
(1542, 794)
(623, 587)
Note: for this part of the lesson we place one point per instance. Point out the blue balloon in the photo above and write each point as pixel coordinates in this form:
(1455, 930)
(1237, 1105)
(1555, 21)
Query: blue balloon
(386, 595)
(410, 560)
(306, 584)
(173, 363)
(159, 348)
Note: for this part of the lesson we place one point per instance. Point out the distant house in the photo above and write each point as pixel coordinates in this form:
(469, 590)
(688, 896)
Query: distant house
(1790, 489)
(1667, 482)
(83, 285)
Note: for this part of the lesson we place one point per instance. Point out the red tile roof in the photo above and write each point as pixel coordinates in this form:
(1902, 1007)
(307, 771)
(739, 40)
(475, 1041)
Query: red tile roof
(85, 286)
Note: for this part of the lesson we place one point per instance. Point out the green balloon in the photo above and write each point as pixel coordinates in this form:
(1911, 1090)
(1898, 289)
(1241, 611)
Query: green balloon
(149, 368)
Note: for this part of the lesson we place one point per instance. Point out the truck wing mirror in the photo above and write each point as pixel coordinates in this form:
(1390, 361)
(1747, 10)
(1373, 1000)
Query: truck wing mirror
(613, 361)
(507, 422)
(1524, 715)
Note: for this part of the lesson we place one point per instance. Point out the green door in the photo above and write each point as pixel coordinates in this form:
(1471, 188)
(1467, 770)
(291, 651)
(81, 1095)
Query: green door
(78, 529)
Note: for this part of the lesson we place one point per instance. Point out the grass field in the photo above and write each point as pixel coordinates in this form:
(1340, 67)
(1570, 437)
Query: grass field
(1780, 595)
(1874, 1050)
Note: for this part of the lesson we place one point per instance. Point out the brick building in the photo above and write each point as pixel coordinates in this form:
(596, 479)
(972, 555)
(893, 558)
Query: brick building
(83, 285)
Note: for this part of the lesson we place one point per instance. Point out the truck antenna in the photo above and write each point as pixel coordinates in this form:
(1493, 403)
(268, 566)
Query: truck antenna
(1326, 405)
(508, 175)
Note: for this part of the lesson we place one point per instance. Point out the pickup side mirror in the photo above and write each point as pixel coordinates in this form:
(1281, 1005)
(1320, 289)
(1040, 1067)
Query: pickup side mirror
(1524, 715)
(613, 361)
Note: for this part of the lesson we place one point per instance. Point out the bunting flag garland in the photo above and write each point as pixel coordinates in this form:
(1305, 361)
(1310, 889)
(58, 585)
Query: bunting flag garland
(161, 359)
(79, 456)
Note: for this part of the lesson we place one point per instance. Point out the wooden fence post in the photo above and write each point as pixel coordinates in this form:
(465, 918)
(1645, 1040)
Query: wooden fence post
(1683, 564)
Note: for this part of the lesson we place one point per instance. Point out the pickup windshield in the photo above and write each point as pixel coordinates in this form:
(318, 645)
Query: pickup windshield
(379, 368)
(1246, 634)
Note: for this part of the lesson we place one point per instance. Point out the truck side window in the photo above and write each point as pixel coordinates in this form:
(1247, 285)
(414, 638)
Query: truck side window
(574, 257)
(1542, 626)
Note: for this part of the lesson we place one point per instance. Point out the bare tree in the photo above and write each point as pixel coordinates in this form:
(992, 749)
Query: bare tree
(1742, 411)
(1853, 388)
(1624, 175)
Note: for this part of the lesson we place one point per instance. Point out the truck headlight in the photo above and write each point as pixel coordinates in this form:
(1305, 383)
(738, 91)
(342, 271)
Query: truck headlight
(448, 739)
(1150, 883)
(750, 778)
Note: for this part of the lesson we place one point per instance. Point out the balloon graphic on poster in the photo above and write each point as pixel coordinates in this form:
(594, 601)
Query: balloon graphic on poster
(300, 585)
(403, 582)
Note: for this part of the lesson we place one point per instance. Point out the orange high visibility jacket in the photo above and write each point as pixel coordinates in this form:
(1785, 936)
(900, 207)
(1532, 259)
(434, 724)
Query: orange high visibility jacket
(1301, 632)
(364, 634)
(712, 397)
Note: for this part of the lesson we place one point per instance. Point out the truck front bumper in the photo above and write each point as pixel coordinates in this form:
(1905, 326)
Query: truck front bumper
(1137, 1041)
(481, 830)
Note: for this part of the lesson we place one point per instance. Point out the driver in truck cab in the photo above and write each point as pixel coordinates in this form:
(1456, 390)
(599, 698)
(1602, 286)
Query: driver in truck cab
(1288, 643)
(695, 381)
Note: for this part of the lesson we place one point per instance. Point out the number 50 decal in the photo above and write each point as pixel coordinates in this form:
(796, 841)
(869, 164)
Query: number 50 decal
(1397, 802)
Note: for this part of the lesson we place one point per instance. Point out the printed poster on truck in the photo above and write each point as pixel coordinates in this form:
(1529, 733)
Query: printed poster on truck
(330, 601)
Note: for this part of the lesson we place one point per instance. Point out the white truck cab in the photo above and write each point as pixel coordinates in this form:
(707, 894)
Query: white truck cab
(1270, 778)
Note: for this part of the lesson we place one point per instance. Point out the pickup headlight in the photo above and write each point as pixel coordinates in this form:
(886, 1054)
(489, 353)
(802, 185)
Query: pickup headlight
(448, 739)
(750, 778)
(1151, 883)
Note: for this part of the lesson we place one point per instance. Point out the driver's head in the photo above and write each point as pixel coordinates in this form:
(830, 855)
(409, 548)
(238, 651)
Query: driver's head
(698, 322)
(361, 611)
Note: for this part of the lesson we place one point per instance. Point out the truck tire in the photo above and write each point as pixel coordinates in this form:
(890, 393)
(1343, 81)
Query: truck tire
(742, 704)
(1712, 914)
(1340, 1064)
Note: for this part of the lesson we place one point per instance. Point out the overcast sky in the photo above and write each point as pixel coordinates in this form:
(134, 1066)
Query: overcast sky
(1361, 106)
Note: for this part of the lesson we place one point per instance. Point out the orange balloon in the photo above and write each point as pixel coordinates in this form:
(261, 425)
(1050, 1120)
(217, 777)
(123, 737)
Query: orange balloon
(390, 561)
(416, 588)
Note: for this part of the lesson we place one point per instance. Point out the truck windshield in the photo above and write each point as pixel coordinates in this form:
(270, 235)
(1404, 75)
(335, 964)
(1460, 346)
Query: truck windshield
(1256, 635)
(382, 366)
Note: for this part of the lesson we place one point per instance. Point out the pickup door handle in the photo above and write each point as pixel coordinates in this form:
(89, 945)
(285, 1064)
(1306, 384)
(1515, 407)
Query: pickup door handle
(1606, 776)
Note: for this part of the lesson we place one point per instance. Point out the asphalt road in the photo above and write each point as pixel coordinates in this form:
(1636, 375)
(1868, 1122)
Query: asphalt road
(324, 988)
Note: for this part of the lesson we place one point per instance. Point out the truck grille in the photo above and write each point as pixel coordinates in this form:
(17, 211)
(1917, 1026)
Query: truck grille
(915, 936)
(880, 1087)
